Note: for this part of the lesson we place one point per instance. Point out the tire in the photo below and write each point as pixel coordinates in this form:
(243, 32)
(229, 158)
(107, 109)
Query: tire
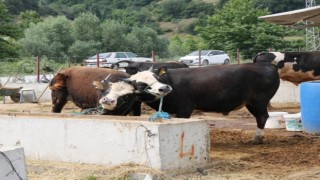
(205, 63)
(227, 61)
(115, 66)
(15, 97)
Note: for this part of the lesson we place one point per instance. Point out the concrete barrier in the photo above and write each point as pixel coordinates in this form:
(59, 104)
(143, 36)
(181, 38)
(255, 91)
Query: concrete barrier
(287, 93)
(108, 140)
(12, 163)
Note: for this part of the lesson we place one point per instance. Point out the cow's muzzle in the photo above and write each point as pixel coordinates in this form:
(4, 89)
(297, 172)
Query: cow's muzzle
(164, 90)
(108, 103)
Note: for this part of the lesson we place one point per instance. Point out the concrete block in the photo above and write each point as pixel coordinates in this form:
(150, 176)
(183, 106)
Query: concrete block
(109, 140)
(12, 164)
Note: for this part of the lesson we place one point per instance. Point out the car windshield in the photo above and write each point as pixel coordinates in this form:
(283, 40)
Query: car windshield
(131, 55)
(196, 53)
(101, 56)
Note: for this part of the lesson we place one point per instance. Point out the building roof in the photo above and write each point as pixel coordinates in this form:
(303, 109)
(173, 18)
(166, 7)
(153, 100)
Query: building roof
(296, 17)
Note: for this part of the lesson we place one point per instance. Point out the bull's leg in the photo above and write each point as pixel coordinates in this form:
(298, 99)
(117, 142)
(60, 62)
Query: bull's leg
(260, 112)
(184, 112)
(59, 99)
(136, 108)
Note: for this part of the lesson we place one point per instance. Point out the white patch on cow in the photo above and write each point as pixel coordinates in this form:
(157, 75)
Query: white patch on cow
(279, 57)
(116, 90)
(259, 132)
(148, 78)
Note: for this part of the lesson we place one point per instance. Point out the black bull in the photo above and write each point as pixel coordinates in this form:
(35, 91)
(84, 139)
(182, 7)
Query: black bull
(217, 89)
(134, 67)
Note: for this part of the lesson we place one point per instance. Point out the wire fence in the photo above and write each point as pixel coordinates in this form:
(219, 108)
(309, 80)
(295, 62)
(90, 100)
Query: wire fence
(37, 65)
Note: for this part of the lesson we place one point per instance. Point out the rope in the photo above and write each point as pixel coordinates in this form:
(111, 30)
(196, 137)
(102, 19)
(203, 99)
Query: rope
(159, 115)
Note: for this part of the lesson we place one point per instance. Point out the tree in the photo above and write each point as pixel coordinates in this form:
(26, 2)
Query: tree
(114, 36)
(87, 27)
(144, 40)
(28, 17)
(9, 32)
(52, 38)
(236, 25)
(176, 47)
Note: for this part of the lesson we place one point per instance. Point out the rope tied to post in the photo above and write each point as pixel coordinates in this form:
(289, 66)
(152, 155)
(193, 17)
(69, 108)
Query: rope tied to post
(159, 115)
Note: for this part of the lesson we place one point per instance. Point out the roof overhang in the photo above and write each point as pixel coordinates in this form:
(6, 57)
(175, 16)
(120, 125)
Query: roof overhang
(296, 17)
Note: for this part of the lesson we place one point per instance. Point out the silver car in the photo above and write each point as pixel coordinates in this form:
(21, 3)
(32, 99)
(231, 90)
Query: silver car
(112, 59)
(208, 57)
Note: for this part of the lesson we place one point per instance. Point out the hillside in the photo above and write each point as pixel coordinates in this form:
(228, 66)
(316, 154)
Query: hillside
(166, 16)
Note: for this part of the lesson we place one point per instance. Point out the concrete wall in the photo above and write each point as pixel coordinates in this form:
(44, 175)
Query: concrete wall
(14, 157)
(287, 93)
(108, 140)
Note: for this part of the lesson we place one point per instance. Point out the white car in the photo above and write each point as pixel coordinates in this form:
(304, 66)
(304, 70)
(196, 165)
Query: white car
(112, 59)
(208, 57)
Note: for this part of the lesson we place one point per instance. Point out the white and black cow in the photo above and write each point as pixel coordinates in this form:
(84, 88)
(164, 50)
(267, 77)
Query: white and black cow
(215, 89)
(296, 67)
(134, 67)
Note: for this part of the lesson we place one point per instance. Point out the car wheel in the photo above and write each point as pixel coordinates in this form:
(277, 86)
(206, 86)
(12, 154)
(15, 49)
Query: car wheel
(227, 61)
(115, 66)
(205, 63)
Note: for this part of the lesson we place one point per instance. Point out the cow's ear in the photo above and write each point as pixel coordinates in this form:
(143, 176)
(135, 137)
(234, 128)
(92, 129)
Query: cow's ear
(99, 85)
(162, 71)
(58, 82)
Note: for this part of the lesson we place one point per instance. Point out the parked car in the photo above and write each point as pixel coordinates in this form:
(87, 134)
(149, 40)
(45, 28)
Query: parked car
(208, 57)
(111, 59)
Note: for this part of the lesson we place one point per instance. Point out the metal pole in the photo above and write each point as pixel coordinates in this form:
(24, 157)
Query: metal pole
(238, 55)
(199, 58)
(38, 68)
(153, 56)
(98, 65)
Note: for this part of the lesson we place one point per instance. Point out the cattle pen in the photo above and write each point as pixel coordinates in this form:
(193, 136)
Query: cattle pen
(284, 155)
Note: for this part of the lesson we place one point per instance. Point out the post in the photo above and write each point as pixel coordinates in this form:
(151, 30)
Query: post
(238, 55)
(98, 65)
(38, 68)
(153, 56)
(199, 58)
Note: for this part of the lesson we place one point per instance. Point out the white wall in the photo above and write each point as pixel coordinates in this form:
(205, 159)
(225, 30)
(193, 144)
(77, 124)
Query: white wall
(108, 140)
(287, 93)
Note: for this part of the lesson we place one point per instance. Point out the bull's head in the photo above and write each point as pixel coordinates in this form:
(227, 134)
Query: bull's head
(143, 83)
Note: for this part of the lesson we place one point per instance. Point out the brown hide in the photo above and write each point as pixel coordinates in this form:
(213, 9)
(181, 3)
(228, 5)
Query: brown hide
(76, 84)
(295, 67)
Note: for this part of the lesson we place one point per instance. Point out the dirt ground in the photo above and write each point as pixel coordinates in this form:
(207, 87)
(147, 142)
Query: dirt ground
(284, 154)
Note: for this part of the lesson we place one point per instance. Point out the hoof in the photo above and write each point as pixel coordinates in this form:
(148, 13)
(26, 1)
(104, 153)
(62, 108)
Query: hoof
(257, 140)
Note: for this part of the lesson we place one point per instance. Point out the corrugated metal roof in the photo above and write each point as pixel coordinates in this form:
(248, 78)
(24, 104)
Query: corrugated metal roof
(311, 14)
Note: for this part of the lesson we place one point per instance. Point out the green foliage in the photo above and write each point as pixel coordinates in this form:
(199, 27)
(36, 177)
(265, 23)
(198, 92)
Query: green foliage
(237, 26)
(114, 36)
(144, 40)
(51, 37)
(176, 47)
(275, 7)
(177, 9)
(87, 27)
(90, 177)
(80, 50)
(27, 65)
(28, 17)
(8, 33)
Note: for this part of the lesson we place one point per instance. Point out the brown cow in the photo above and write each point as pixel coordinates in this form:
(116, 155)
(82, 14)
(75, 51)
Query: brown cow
(75, 84)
